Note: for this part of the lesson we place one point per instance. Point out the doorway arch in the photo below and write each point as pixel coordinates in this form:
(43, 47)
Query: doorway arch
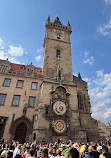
(21, 128)
(20, 132)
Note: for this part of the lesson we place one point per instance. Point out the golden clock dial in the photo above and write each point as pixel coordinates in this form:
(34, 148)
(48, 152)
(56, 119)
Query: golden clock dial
(59, 126)
(59, 108)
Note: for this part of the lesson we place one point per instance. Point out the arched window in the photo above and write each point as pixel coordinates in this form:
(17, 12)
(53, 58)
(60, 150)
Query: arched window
(79, 101)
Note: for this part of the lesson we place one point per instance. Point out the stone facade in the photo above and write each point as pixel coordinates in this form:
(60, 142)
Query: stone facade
(59, 107)
(104, 130)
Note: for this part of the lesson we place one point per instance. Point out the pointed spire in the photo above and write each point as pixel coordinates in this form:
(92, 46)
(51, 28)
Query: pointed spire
(68, 23)
(79, 76)
(48, 19)
(57, 21)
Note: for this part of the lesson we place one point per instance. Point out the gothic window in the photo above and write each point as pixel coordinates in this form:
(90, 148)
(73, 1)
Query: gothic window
(2, 99)
(16, 100)
(31, 101)
(36, 118)
(4, 68)
(79, 101)
(29, 72)
(20, 83)
(34, 85)
(58, 53)
(46, 110)
(7, 82)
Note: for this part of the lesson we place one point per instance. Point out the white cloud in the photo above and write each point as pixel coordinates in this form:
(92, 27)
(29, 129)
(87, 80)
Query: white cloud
(107, 1)
(86, 54)
(105, 29)
(1, 44)
(100, 96)
(37, 58)
(3, 55)
(39, 50)
(14, 60)
(15, 51)
(88, 59)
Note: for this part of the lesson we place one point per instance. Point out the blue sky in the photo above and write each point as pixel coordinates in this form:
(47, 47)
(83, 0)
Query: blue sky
(22, 31)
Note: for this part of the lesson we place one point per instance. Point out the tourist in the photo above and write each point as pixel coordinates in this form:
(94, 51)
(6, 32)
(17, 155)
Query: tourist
(32, 152)
(105, 153)
(27, 152)
(86, 154)
(74, 153)
(94, 152)
(17, 151)
(45, 153)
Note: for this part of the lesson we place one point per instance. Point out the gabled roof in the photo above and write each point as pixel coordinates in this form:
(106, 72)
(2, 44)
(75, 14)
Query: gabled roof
(21, 68)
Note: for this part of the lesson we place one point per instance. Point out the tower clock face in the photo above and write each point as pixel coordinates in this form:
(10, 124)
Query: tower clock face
(59, 108)
(58, 34)
(59, 126)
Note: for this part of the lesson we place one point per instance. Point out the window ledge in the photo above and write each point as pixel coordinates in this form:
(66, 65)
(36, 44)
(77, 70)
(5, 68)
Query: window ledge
(15, 105)
(31, 106)
(20, 87)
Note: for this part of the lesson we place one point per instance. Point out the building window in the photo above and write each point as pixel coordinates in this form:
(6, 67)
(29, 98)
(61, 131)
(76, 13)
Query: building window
(2, 99)
(7, 82)
(29, 72)
(34, 85)
(58, 53)
(79, 101)
(20, 83)
(31, 101)
(4, 68)
(62, 95)
(16, 100)
(22, 67)
(36, 118)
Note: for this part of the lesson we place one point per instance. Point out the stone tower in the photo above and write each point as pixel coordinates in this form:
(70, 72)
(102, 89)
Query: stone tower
(63, 110)
(57, 62)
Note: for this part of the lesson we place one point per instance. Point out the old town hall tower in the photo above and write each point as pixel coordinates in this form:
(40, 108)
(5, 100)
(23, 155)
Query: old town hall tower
(63, 110)
(48, 103)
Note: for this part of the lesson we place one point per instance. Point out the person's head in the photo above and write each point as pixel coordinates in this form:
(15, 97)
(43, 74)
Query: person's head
(51, 151)
(19, 146)
(86, 153)
(9, 154)
(74, 153)
(44, 153)
(94, 148)
(104, 149)
(32, 151)
(28, 148)
(58, 152)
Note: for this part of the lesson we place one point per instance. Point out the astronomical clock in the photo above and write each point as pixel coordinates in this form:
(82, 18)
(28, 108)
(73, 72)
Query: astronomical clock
(58, 111)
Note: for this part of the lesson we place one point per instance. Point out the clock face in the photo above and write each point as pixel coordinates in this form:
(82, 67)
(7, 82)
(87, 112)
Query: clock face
(59, 126)
(58, 34)
(59, 108)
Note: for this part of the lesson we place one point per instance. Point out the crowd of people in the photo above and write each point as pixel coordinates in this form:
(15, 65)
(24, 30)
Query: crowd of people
(14, 149)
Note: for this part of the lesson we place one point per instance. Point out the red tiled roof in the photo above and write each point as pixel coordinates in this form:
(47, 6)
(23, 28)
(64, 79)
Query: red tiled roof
(16, 67)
